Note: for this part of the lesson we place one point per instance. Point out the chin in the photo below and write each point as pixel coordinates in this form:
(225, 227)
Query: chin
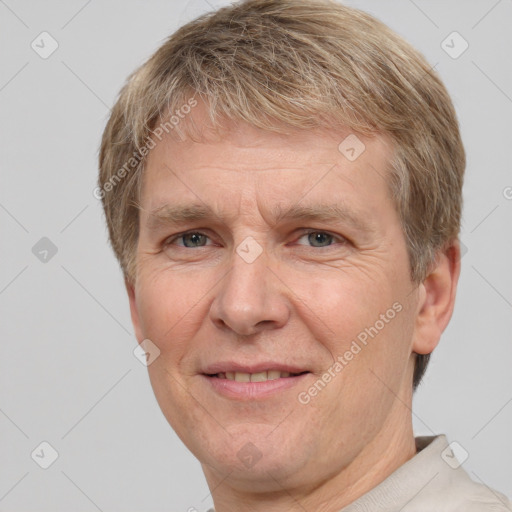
(270, 473)
(250, 458)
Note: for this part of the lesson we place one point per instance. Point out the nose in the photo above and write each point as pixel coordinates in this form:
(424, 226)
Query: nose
(250, 298)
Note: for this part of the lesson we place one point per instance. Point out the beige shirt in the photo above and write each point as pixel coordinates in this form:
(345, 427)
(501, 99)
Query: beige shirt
(432, 481)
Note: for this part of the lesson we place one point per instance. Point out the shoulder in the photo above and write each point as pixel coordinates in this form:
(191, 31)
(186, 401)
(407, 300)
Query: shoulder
(433, 480)
(480, 498)
(453, 488)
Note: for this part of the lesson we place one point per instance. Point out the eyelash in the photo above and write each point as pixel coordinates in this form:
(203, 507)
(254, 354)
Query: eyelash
(340, 238)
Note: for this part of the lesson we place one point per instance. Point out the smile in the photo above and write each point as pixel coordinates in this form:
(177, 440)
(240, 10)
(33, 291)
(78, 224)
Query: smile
(242, 386)
(255, 377)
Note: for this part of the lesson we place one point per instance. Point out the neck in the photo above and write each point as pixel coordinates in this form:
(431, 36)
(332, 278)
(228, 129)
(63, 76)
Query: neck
(390, 448)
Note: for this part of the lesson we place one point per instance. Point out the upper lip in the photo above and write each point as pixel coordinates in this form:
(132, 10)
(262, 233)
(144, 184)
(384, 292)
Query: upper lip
(233, 366)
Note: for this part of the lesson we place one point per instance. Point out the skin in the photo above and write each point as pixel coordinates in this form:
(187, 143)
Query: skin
(302, 301)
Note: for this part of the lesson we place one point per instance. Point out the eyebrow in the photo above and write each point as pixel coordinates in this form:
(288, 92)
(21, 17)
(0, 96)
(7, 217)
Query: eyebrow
(168, 214)
(324, 213)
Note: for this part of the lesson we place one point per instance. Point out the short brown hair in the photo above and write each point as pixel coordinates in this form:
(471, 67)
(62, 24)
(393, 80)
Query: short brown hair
(298, 64)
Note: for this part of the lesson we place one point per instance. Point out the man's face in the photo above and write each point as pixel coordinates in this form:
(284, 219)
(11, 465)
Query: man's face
(250, 289)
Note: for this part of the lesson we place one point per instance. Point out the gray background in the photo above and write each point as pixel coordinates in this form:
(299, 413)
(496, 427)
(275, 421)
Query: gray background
(67, 372)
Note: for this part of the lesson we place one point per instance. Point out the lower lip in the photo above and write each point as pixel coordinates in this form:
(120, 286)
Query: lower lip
(253, 390)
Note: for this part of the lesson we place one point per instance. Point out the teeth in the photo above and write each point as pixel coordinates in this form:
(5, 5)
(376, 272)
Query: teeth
(242, 377)
(259, 377)
(254, 377)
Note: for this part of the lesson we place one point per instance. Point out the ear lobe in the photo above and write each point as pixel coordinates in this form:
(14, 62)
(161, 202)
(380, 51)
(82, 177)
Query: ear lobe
(437, 299)
(134, 312)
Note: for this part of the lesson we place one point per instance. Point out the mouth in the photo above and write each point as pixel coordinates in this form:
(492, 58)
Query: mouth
(257, 384)
(262, 376)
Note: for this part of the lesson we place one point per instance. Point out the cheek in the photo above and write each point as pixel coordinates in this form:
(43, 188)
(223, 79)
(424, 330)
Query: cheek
(170, 309)
(342, 303)
(366, 327)
(375, 374)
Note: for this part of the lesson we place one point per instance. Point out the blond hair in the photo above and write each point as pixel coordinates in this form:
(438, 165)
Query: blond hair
(281, 64)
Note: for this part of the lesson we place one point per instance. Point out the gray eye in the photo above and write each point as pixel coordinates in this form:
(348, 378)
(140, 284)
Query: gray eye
(196, 239)
(320, 238)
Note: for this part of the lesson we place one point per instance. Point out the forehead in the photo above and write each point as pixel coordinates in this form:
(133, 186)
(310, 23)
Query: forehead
(195, 139)
(246, 163)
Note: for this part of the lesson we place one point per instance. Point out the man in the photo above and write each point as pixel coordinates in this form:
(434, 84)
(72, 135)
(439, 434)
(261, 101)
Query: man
(282, 185)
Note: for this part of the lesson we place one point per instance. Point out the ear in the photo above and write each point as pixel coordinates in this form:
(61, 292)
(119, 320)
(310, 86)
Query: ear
(437, 299)
(134, 312)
